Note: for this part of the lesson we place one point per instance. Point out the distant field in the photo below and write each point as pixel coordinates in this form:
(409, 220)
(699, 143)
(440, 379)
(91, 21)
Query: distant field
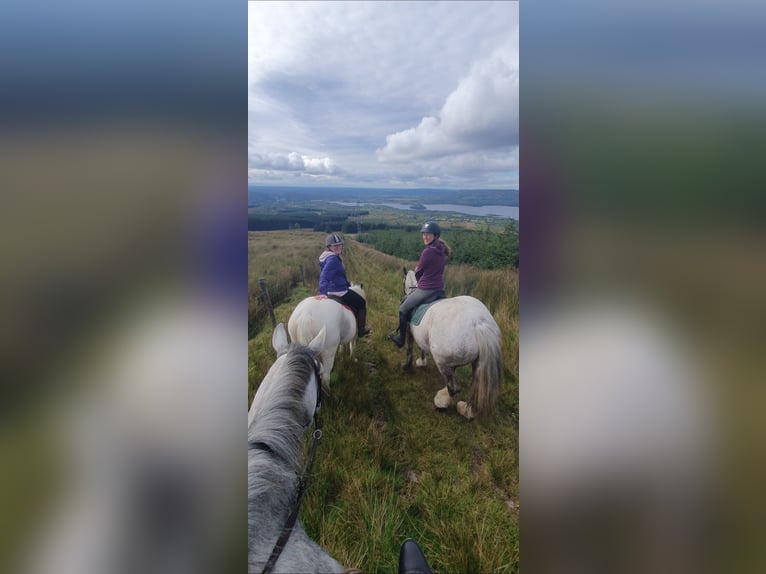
(390, 466)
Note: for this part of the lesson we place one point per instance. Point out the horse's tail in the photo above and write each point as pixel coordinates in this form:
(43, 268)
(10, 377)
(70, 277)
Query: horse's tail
(488, 370)
(304, 330)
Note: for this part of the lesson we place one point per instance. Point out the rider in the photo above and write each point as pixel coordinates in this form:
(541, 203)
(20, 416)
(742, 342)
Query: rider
(430, 276)
(333, 282)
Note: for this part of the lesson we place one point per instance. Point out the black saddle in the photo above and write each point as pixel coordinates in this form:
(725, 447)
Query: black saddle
(412, 560)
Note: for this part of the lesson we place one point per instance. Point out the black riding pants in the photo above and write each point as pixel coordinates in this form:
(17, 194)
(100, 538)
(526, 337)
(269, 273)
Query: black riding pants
(353, 300)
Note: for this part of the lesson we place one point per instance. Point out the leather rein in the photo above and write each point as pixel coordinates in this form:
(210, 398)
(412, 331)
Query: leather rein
(303, 478)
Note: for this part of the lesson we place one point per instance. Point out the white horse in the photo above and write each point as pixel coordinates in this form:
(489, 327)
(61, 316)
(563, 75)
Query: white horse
(281, 412)
(320, 312)
(459, 331)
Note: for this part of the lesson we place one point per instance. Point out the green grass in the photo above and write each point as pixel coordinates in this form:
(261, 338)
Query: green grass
(389, 466)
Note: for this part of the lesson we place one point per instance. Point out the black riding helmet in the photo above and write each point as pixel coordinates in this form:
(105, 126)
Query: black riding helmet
(333, 239)
(431, 227)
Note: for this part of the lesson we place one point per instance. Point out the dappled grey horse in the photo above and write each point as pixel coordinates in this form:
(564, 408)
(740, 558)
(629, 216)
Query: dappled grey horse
(458, 331)
(282, 411)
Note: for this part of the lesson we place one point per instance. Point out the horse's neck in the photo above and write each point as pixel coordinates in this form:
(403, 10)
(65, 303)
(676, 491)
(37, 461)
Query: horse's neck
(271, 492)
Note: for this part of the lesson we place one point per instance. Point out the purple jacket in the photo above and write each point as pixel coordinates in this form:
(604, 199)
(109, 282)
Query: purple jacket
(332, 274)
(430, 269)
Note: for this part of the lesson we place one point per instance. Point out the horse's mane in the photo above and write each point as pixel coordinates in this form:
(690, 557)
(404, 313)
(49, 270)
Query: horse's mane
(279, 411)
(278, 418)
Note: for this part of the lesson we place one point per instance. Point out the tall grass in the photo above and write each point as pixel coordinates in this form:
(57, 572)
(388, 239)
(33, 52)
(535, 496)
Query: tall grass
(283, 260)
(389, 466)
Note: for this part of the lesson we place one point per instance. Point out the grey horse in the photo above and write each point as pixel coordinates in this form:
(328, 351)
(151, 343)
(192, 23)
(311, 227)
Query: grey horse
(279, 416)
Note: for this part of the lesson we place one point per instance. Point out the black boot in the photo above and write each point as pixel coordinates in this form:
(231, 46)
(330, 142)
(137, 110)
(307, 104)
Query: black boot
(402, 336)
(361, 319)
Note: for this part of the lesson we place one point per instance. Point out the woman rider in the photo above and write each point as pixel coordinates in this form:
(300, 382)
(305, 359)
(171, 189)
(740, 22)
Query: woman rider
(430, 276)
(333, 282)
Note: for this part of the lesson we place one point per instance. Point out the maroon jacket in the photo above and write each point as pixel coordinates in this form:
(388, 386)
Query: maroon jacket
(430, 269)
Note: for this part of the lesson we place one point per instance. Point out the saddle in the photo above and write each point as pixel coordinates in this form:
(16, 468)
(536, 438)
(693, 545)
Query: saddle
(420, 310)
(337, 299)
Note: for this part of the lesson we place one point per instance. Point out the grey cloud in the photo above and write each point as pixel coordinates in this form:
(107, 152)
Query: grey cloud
(481, 113)
(329, 83)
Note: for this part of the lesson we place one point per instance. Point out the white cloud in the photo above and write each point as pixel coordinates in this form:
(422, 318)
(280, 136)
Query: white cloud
(482, 113)
(293, 161)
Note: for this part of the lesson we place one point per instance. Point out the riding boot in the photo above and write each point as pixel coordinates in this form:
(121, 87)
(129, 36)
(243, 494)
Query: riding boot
(402, 336)
(361, 319)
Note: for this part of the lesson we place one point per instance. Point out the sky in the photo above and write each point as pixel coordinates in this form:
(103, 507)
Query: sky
(383, 94)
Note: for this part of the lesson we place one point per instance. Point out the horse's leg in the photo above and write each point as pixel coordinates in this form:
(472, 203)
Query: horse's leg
(443, 398)
(421, 362)
(407, 367)
(463, 408)
(327, 362)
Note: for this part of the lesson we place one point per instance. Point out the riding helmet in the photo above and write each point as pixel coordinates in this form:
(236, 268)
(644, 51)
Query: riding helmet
(333, 239)
(431, 227)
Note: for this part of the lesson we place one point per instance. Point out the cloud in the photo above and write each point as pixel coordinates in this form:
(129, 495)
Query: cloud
(330, 83)
(482, 113)
(293, 162)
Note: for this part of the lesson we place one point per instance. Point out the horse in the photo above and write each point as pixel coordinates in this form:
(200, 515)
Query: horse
(458, 331)
(317, 312)
(282, 410)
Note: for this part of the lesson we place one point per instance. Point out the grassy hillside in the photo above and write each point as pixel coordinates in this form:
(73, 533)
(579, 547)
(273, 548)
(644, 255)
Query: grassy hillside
(389, 465)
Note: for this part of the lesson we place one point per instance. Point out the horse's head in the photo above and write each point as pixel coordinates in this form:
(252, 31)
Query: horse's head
(292, 368)
(409, 282)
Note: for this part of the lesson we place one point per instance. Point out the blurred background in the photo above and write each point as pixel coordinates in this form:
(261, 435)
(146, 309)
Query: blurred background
(124, 292)
(641, 290)
(123, 298)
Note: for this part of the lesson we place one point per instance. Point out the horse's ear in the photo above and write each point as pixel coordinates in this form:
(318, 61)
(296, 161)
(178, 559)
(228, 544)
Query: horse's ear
(317, 343)
(361, 285)
(279, 340)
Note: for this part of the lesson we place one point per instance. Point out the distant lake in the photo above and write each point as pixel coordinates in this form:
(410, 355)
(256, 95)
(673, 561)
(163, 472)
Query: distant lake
(506, 211)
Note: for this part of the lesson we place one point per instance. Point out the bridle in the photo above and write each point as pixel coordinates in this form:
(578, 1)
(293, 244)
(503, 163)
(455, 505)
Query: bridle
(303, 479)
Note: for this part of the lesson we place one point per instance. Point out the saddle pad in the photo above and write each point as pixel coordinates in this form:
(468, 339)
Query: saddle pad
(420, 310)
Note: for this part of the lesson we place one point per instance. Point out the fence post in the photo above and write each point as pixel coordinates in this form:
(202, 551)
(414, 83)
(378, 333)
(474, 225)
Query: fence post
(267, 301)
(303, 274)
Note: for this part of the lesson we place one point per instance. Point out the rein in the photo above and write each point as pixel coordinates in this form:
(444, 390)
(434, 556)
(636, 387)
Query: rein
(303, 480)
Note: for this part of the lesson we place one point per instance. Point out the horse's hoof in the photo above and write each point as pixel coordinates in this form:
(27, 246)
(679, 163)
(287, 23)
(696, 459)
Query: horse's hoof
(442, 400)
(463, 408)
(407, 368)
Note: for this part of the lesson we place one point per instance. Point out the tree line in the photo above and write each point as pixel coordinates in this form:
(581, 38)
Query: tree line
(484, 249)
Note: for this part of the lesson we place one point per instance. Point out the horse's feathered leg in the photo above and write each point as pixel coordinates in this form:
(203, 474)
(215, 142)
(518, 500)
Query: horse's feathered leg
(443, 398)
(407, 367)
